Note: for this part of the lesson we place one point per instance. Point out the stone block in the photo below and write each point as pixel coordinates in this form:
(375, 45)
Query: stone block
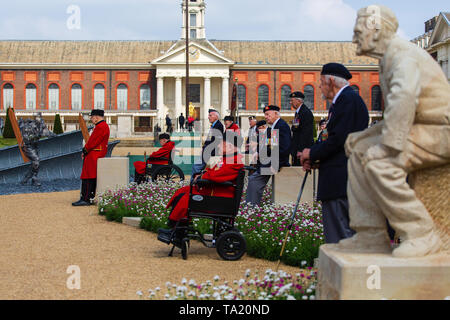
(132, 221)
(287, 184)
(112, 173)
(364, 276)
(431, 186)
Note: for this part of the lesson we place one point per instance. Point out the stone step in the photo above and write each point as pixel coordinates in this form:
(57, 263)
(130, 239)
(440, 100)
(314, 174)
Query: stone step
(132, 221)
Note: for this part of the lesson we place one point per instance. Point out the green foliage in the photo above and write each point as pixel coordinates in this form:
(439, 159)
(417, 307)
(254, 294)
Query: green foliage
(57, 126)
(8, 131)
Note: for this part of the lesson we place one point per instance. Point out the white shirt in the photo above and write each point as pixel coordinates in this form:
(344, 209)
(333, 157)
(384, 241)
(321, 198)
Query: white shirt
(298, 109)
(273, 124)
(339, 93)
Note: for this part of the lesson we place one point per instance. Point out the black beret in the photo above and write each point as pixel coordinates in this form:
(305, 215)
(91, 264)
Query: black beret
(234, 138)
(321, 122)
(336, 69)
(164, 136)
(212, 110)
(261, 123)
(228, 118)
(97, 112)
(297, 94)
(274, 108)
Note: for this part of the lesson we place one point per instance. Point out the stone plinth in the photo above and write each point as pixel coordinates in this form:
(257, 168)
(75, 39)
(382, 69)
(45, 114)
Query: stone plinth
(288, 183)
(112, 173)
(358, 276)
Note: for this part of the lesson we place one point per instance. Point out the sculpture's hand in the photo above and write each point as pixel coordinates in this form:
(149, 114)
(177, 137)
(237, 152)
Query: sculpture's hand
(378, 151)
(350, 143)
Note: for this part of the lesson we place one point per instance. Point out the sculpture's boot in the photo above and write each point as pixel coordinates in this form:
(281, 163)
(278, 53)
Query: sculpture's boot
(418, 247)
(369, 240)
(27, 178)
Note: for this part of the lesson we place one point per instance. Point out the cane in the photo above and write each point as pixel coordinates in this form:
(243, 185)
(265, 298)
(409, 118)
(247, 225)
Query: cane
(292, 219)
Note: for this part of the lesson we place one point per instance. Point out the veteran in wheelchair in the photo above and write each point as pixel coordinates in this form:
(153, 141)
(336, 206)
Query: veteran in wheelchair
(214, 194)
(159, 164)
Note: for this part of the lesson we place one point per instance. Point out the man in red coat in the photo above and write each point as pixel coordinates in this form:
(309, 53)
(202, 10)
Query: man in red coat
(156, 159)
(95, 148)
(230, 125)
(225, 170)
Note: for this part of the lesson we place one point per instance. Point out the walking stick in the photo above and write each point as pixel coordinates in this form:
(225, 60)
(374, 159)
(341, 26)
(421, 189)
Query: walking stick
(292, 219)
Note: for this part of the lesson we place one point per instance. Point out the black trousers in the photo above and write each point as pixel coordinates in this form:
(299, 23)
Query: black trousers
(335, 220)
(88, 188)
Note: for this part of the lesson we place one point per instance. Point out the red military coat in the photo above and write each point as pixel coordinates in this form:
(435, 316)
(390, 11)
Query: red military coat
(226, 170)
(234, 127)
(163, 152)
(97, 146)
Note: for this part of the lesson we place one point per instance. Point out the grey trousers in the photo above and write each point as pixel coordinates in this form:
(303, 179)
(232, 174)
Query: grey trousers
(335, 220)
(256, 184)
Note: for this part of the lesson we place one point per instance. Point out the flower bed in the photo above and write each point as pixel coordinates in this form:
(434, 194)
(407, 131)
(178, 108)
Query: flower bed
(273, 286)
(264, 227)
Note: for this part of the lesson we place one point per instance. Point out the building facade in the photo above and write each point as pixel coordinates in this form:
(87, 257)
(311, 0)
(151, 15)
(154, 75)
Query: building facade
(138, 83)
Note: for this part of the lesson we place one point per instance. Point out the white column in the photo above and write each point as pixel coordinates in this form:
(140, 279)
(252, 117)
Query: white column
(206, 101)
(225, 97)
(178, 100)
(160, 100)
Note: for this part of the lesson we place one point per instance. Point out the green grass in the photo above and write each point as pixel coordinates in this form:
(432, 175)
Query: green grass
(6, 142)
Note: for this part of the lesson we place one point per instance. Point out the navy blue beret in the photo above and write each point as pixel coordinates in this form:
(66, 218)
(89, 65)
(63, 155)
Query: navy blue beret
(336, 69)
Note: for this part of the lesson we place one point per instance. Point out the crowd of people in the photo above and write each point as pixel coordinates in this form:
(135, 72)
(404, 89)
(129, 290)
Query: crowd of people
(271, 144)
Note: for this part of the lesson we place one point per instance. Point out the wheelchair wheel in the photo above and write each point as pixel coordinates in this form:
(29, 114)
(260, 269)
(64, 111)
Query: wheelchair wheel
(168, 173)
(184, 248)
(231, 245)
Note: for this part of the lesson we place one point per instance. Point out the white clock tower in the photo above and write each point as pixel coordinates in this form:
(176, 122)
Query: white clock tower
(196, 23)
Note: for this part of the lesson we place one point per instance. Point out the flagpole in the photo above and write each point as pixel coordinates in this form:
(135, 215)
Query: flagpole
(237, 102)
(187, 58)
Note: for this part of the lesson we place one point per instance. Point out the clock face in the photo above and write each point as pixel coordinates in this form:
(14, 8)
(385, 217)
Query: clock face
(194, 54)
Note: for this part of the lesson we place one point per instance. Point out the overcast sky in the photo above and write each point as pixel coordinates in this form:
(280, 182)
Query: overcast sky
(225, 19)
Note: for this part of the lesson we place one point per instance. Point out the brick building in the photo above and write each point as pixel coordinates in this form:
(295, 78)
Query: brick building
(138, 82)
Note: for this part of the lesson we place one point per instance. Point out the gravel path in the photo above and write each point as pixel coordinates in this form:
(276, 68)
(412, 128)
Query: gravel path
(42, 235)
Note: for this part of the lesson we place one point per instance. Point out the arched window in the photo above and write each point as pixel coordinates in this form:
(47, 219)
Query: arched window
(376, 98)
(308, 91)
(145, 95)
(8, 96)
(53, 97)
(99, 96)
(285, 99)
(263, 96)
(355, 88)
(30, 96)
(242, 96)
(122, 97)
(76, 96)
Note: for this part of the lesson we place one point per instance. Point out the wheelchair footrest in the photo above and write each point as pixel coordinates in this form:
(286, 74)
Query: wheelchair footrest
(165, 235)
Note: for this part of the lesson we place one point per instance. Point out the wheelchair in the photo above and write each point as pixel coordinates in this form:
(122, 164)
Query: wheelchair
(228, 241)
(163, 172)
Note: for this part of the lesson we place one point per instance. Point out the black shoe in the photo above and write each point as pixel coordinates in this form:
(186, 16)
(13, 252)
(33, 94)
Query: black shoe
(36, 183)
(80, 203)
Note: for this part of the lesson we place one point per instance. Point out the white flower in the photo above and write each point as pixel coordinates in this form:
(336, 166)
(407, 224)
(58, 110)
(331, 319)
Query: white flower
(158, 289)
(183, 281)
(167, 296)
(139, 293)
(304, 263)
(168, 284)
(305, 297)
(216, 296)
(192, 282)
(308, 290)
(216, 278)
(289, 297)
(312, 297)
(247, 273)
(241, 282)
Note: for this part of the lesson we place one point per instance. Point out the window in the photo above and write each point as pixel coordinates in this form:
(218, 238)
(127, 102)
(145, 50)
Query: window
(194, 93)
(263, 96)
(308, 91)
(193, 20)
(242, 96)
(76, 96)
(30, 97)
(193, 34)
(376, 98)
(53, 97)
(145, 97)
(355, 88)
(122, 97)
(99, 96)
(285, 99)
(8, 96)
